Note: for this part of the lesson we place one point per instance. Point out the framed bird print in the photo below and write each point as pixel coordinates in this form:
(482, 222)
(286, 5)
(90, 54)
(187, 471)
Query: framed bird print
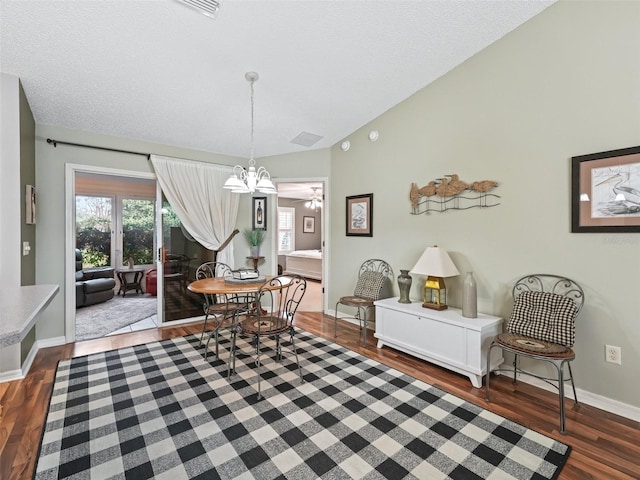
(605, 192)
(360, 215)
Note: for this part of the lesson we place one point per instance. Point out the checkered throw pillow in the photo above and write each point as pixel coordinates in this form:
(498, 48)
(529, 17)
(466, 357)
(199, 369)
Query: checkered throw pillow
(369, 285)
(544, 316)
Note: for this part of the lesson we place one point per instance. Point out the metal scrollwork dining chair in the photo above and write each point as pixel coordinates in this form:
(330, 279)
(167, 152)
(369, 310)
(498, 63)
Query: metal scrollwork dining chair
(272, 315)
(220, 307)
(542, 327)
(373, 284)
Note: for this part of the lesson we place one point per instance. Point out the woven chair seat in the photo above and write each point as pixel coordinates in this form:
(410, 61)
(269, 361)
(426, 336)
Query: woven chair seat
(222, 308)
(264, 325)
(354, 301)
(533, 345)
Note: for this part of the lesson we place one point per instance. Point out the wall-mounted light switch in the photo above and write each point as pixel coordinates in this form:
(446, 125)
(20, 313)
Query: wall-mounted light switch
(26, 248)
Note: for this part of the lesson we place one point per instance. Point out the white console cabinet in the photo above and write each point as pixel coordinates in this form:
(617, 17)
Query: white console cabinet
(443, 337)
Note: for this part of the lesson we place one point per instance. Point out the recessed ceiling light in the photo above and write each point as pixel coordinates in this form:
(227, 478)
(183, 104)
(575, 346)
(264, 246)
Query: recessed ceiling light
(346, 145)
(373, 135)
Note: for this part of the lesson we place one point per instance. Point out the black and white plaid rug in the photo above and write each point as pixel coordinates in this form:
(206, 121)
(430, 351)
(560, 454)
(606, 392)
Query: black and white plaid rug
(161, 411)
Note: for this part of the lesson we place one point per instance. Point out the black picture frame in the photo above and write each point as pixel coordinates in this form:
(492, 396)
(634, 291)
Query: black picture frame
(308, 224)
(259, 216)
(605, 192)
(359, 216)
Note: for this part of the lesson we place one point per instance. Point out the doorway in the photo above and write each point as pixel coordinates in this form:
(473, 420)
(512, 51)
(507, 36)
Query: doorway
(300, 244)
(114, 243)
(111, 213)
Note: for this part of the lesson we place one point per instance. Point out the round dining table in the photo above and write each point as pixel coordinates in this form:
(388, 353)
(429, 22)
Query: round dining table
(221, 286)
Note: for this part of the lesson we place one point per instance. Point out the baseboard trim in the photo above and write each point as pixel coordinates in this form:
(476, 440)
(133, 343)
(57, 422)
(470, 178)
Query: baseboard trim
(11, 375)
(26, 365)
(371, 325)
(584, 396)
(21, 373)
(51, 342)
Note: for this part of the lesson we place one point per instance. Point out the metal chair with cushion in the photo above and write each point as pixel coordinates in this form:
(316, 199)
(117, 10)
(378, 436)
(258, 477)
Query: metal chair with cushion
(542, 327)
(220, 307)
(272, 316)
(373, 284)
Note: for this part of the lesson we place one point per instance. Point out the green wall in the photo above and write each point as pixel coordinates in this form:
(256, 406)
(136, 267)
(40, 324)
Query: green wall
(27, 177)
(563, 84)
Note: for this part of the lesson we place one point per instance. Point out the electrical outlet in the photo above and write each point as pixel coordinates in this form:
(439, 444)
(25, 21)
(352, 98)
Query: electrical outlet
(613, 354)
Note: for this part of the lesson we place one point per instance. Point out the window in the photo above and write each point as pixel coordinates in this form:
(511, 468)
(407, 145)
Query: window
(111, 229)
(286, 230)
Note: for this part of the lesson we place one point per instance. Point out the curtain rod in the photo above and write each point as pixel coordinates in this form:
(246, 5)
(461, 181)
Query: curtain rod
(56, 142)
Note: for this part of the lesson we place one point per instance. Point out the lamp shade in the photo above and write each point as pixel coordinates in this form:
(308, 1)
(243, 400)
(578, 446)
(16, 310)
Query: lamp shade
(435, 262)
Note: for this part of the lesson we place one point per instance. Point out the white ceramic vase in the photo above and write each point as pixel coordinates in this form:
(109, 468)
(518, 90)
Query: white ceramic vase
(469, 297)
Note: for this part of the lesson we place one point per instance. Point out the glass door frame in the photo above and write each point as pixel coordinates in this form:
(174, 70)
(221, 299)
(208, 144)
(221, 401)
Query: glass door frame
(158, 257)
(70, 237)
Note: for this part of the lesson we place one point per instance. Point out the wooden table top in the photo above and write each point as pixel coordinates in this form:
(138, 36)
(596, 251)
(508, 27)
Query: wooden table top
(217, 285)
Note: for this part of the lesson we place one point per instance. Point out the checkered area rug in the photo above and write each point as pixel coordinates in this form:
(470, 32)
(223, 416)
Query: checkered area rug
(161, 411)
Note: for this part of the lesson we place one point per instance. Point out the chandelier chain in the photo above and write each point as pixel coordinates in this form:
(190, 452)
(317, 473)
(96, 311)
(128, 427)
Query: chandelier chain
(249, 180)
(251, 159)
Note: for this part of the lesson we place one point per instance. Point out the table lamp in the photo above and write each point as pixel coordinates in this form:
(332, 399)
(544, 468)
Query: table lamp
(435, 264)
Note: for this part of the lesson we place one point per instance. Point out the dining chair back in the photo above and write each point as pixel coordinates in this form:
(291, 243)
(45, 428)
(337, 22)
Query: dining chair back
(220, 307)
(373, 284)
(542, 327)
(272, 315)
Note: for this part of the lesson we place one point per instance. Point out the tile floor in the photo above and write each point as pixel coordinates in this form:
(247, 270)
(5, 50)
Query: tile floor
(149, 322)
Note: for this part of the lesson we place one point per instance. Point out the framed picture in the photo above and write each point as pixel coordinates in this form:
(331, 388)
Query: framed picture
(360, 215)
(259, 213)
(308, 224)
(605, 192)
(30, 204)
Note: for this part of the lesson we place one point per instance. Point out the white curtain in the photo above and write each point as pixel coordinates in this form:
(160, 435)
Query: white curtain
(194, 190)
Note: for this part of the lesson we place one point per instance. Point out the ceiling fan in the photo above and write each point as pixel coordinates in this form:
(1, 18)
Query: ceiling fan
(315, 202)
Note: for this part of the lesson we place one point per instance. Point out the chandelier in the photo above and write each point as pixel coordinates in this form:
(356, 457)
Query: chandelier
(316, 201)
(248, 181)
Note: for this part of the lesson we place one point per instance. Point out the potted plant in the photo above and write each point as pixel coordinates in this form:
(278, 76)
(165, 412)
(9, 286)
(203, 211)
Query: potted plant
(255, 239)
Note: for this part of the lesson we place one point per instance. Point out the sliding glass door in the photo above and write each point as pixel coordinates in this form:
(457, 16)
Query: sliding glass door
(180, 256)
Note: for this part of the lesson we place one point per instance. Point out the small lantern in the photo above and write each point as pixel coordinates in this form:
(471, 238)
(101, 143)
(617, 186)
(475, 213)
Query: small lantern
(435, 293)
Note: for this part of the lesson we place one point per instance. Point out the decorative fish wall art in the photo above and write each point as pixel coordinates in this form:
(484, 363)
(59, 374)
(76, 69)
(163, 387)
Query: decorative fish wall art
(451, 193)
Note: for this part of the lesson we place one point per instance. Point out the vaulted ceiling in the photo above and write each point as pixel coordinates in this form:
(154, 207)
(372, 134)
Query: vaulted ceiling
(159, 71)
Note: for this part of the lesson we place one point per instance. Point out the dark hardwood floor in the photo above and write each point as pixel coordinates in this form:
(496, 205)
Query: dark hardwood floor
(604, 446)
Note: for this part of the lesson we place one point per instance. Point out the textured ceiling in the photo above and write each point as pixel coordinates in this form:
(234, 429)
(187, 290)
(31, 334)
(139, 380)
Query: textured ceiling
(161, 72)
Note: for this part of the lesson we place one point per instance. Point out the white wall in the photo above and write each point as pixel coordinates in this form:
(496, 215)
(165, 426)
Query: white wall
(10, 184)
(563, 84)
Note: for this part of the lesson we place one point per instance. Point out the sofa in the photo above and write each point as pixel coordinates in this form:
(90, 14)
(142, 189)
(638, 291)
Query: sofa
(93, 285)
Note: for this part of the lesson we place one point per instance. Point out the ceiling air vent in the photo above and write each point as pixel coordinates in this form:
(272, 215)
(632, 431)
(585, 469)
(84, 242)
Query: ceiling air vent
(206, 7)
(306, 139)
